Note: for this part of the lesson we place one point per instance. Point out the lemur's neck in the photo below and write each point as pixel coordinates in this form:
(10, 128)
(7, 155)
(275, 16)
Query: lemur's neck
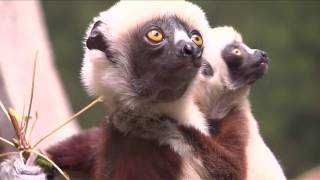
(150, 126)
(136, 122)
(186, 113)
(146, 115)
(225, 102)
(141, 121)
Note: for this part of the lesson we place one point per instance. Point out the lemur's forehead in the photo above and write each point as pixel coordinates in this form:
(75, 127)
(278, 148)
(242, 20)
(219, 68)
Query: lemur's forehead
(239, 45)
(173, 29)
(166, 23)
(170, 21)
(218, 39)
(223, 36)
(126, 15)
(172, 26)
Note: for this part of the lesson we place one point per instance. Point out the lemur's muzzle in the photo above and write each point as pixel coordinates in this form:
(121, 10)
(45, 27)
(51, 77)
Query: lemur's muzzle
(260, 58)
(190, 51)
(194, 51)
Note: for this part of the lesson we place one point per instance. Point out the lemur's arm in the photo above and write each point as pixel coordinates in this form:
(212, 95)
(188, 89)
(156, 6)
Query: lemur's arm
(77, 153)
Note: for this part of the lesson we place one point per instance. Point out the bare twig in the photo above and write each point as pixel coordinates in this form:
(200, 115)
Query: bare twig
(7, 141)
(22, 123)
(4, 110)
(8, 153)
(19, 132)
(99, 99)
(32, 89)
(32, 127)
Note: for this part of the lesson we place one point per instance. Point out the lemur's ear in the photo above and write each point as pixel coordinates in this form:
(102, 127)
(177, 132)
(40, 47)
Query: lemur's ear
(206, 69)
(96, 40)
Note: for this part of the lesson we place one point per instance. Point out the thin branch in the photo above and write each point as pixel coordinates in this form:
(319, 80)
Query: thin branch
(32, 127)
(14, 122)
(32, 89)
(5, 110)
(8, 153)
(23, 111)
(54, 164)
(20, 134)
(7, 141)
(99, 99)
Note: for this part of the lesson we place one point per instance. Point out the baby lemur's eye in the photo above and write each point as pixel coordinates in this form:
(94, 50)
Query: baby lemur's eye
(155, 36)
(236, 51)
(197, 39)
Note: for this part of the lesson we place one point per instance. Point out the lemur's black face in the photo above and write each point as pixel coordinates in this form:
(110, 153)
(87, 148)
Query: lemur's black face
(163, 55)
(245, 65)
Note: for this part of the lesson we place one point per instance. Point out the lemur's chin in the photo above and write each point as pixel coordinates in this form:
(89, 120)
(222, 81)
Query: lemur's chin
(170, 95)
(258, 72)
(164, 89)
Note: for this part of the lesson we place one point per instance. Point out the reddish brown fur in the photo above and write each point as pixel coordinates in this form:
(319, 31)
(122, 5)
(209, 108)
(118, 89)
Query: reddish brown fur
(217, 160)
(223, 155)
(232, 135)
(78, 152)
(127, 158)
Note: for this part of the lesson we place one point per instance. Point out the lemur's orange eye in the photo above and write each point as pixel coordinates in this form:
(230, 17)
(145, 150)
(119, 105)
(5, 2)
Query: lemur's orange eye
(197, 39)
(236, 51)
(155, 36)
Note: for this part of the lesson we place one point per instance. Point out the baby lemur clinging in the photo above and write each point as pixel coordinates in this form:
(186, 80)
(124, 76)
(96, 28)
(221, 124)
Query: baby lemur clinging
(223, 97)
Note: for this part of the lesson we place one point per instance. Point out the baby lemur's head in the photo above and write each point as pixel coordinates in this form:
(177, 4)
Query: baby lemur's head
(140, 53)
(230, 69)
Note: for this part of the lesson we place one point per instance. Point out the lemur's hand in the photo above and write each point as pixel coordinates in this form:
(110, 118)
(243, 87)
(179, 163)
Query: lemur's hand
(14, 169)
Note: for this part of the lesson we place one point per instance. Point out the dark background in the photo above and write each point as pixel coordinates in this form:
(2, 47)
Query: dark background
(285, 102)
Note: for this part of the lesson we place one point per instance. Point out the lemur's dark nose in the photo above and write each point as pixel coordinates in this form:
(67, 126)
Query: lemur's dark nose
(189, 52)
(189, 49)
(261, 55)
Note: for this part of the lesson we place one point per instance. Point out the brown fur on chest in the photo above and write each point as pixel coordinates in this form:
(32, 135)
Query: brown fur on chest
(121, 157)
(125, 158)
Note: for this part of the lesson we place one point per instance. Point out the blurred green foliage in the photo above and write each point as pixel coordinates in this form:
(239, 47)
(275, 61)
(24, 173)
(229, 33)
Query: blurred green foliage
(285, 102)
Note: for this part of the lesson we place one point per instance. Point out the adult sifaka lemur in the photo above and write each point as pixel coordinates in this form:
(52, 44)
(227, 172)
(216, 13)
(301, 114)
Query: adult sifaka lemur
(144, 62)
